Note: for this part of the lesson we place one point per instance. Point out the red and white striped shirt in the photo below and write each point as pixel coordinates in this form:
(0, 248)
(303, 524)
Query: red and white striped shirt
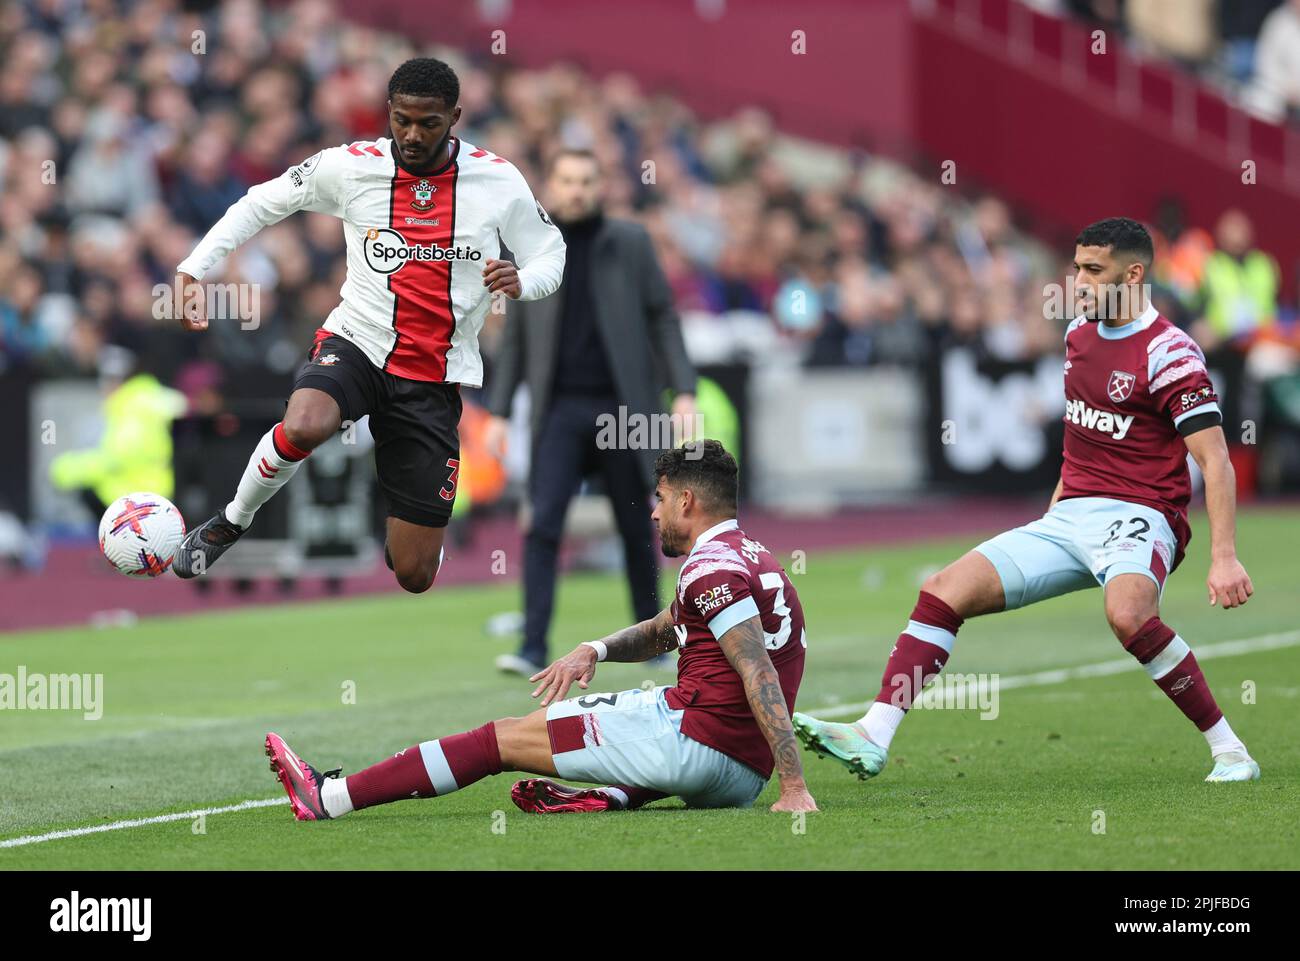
(414, 299)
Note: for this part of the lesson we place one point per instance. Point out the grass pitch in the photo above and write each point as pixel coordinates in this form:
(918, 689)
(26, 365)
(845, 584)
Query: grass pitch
(188, 700)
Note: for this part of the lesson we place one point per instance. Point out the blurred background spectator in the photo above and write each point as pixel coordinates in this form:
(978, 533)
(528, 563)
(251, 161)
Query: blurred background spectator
(1277, 62)
(1239, 285)
(1248, 48)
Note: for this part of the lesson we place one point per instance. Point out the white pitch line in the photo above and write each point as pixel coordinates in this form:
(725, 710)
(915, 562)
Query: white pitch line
(140, 822)
(1247, 645)
(1205, 652)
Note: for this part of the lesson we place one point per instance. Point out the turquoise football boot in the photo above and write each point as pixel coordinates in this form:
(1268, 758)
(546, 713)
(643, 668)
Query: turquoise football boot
(1234, 766)
(846, 743)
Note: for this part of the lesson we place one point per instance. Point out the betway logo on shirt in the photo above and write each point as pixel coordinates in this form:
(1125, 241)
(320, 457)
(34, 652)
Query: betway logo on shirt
(1117, 425)
(387, 251)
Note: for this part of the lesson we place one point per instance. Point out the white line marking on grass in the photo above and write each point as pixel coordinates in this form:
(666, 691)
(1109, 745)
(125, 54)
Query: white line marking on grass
(1247, 645)
(1205, 652)
(140, 822)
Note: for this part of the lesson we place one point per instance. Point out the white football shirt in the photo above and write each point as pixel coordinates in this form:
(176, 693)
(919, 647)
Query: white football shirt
(414, 299)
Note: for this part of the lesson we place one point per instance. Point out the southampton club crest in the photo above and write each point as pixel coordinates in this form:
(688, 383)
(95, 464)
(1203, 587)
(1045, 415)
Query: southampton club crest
(423, 191)
(1120, 386)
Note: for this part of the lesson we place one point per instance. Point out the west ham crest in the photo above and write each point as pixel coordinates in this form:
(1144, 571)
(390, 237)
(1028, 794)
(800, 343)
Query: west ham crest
(1120, 386)
(423, 196)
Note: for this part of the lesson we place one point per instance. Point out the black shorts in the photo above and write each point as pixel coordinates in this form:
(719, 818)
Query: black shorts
(415, 424)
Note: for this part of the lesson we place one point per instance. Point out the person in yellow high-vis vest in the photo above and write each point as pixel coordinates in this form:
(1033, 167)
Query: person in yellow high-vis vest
(1239, 286)
(135, 453)
(715, 414)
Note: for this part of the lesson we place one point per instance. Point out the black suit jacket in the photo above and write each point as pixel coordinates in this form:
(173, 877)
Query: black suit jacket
(638, 323)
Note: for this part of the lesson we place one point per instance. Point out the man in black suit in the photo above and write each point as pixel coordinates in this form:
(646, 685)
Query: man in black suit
(611, 339)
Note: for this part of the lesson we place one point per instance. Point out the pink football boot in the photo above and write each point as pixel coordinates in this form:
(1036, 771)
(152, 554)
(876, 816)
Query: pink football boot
(540, 796)
(301, 781)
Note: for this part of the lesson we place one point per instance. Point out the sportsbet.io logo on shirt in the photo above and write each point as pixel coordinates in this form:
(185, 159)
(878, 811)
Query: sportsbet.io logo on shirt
(387, 251)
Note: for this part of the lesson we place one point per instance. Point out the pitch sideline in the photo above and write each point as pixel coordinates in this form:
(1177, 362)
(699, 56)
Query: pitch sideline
(140, 822)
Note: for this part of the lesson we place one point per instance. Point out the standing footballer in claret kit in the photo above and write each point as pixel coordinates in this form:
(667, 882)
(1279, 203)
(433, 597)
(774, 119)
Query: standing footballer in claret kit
(424, 214)
(1138, 399)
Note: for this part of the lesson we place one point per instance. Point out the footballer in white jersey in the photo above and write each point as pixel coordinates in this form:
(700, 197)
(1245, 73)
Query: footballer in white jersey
(424, 216)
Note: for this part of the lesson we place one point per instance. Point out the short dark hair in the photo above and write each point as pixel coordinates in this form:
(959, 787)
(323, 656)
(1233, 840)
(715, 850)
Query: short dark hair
(1122, 235)
(581, 153)
(707, 469)
(425, 77)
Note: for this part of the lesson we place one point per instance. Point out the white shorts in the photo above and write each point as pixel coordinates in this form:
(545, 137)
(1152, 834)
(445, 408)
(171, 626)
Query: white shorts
(1081, 542)
(634, 738)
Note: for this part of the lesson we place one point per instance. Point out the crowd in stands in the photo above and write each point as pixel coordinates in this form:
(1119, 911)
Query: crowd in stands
(1249, 47)
(126, 129)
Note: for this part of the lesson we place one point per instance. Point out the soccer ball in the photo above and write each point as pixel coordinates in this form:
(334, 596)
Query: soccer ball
(139, 533)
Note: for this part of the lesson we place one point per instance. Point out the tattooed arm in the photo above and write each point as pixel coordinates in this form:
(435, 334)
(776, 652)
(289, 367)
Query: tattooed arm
(640, 642)
(744, 647)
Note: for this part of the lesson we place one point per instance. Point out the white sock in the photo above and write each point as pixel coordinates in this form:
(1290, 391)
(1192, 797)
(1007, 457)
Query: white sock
(618, 796)
(334, 796)
(1222, 740)
(881, 721)
(268, 470)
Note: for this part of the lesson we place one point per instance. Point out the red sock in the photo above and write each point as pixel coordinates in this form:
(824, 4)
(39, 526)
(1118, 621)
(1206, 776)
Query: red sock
(1172, 665)
(429, 769)
(283, 447)
(921, 651)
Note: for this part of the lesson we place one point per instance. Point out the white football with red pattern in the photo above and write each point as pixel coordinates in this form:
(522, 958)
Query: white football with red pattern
(140, 532)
